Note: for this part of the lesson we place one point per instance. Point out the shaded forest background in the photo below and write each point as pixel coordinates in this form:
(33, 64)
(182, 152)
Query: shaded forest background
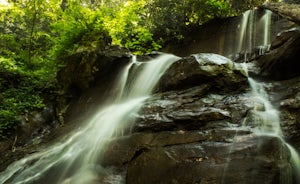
(37, 37)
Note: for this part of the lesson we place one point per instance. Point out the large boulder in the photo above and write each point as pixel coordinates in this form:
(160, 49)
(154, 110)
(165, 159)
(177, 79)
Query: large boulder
(192, 109)
(281, 62)
(203, 68)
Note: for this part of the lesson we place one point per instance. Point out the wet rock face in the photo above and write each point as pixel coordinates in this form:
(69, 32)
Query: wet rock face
(84, 67)
(194, 129)
(281, 62)
(195, 135)
(191, 109)
(210, 162)
(163, 150)
(286, 97)
(199, 69)
(86, 75)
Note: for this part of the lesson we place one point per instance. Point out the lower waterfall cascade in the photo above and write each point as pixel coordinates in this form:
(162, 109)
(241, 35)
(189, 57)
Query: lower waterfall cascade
(75, 159)
(268, 124)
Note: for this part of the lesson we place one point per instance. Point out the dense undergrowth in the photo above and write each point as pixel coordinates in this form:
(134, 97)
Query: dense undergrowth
(36, 36)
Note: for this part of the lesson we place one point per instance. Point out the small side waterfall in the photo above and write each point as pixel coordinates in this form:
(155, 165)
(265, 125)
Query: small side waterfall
(267, 117)
(267, 120)
(77, 159)
(267, 123)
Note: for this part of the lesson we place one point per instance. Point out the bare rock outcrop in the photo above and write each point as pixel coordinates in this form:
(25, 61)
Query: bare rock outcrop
(289, 10)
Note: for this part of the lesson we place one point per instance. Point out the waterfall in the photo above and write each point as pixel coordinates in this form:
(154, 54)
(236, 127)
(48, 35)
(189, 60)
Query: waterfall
(243, 30)
(266, 117)
(245, 35)
(254, 33)
(267, 123)
(247, 31)
(267, 22)
(76, 159)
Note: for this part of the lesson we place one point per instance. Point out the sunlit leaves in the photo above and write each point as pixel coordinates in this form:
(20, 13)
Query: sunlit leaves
(126, 28)
(24, 30)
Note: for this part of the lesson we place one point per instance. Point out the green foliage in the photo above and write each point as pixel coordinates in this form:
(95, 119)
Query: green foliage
(20, 94)
(125, 26)
(79, 27)
(172, 19)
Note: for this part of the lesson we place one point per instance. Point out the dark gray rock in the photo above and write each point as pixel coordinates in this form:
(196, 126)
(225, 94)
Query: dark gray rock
(281, 62)
(84, 68)
(285, 95)
(196, 108)
(252, 160)
(198, 69)
(290, 10)
(87, 74)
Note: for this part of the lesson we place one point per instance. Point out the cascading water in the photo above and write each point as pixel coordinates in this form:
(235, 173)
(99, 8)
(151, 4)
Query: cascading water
(267, 123)
(266, 118)
(250, 29)
(246, 33)
(266, 19)
(76, 160)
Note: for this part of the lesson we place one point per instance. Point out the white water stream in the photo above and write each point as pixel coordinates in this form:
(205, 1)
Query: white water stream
(267, 123)
(245, 32)
(76, 160)
(266, 19)
(267, 118)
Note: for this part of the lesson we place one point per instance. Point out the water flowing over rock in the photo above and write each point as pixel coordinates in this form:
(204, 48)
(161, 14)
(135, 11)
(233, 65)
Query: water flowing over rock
(75, 160)
(195, 135)
(285, 95)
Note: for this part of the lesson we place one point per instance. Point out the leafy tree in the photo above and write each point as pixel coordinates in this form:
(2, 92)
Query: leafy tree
(172, 19)
(78, 26)
(125, 25)
(25, 71)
